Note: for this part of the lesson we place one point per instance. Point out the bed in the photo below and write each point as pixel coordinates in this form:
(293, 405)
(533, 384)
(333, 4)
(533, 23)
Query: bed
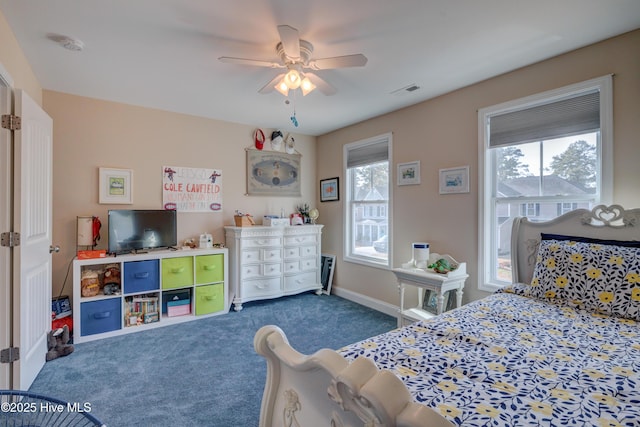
(560, 346)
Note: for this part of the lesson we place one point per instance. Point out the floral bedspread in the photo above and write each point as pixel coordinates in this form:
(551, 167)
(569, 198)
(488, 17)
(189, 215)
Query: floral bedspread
(508, 360)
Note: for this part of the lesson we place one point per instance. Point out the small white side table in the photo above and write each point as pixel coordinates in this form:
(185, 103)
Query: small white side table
(438, 283)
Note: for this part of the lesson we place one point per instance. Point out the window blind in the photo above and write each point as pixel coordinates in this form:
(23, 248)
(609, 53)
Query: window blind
(367, 154)
(570, 116)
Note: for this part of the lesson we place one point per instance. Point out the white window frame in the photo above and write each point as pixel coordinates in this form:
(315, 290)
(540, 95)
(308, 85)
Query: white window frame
(486, 174)
(348, 256)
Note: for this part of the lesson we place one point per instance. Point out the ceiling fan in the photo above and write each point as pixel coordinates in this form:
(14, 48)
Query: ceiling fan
(295, 56)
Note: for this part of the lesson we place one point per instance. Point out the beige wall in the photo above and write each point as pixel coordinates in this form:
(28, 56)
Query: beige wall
(15, 63)
(90, 133)
(443, 132)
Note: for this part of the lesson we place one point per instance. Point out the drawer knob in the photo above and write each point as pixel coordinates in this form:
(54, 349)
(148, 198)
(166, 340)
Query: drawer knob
(210, 267)
(142, 275)
(177, 270)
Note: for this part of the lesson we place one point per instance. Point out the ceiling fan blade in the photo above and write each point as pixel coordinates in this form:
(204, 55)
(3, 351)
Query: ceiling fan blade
(357, 60)
(321, 84)
(252, 62)
(270, 87)
(290, 41)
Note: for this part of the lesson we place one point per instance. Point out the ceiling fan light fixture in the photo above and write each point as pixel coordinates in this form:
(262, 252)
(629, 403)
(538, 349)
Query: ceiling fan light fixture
(282, 87)
(306, 86)
(292, 79)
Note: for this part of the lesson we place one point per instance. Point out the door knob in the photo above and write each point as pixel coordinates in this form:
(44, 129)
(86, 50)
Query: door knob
(53, 249)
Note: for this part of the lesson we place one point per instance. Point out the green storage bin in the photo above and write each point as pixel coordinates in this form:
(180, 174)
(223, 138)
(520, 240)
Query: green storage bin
(177, 272)
(209, 299)
(209, 268)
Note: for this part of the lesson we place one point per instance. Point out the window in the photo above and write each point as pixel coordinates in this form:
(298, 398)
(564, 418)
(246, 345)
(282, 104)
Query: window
(367, 237)
(540, 157)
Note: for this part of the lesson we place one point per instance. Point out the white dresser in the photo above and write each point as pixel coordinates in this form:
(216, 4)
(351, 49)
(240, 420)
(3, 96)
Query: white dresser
(270, 262)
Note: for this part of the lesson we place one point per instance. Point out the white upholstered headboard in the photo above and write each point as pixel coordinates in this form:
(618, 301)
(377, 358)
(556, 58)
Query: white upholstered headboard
(602, 222)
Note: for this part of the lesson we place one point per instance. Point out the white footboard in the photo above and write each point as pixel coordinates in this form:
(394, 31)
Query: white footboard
(324, 389)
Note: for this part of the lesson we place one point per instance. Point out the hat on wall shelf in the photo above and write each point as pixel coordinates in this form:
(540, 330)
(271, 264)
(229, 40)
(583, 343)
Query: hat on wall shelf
(276, 140)
(289, 145)
(258, 137)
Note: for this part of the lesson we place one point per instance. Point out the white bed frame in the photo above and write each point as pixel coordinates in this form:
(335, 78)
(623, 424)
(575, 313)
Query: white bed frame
(324, 389)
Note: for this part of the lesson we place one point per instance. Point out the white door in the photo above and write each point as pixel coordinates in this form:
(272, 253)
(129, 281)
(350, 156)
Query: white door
(5, 225)
(32, 216)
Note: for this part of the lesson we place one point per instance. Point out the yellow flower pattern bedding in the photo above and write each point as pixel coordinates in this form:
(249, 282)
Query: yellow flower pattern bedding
(513, 360)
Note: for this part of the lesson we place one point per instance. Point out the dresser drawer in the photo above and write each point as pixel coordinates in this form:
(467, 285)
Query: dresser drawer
(304, 239)
(259, 255)
(177, 272)
(248, 256)
(292, 266)
(100, 316)
(308, 251)
(308, 264)
(250, 271)
(300, 281)
(261, 287)
(209, 268)
(291, 252)
(141, 276)
(271, 269)
(261, 242)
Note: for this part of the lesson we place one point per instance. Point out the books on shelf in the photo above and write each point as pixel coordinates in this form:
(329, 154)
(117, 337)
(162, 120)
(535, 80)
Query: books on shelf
(141, 309)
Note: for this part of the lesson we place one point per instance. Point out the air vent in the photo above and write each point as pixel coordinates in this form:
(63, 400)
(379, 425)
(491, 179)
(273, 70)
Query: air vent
(407, 89)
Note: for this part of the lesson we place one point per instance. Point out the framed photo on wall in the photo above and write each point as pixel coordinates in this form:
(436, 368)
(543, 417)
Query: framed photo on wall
(271, 173)
(115, 186)
(329, 190)
(454, 180)
(409, 173)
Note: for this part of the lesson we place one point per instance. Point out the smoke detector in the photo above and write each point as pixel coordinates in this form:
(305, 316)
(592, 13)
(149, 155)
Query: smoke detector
(71, 44)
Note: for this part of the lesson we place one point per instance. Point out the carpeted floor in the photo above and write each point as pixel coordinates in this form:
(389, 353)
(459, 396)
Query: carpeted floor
(200, 373)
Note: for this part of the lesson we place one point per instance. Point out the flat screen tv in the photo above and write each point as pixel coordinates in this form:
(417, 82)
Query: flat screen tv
(137, 230)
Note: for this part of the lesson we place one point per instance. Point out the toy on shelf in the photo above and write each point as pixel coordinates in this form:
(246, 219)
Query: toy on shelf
(90, 283)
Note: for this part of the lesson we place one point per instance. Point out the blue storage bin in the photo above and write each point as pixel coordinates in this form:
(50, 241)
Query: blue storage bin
(100, 316)
(141, 276)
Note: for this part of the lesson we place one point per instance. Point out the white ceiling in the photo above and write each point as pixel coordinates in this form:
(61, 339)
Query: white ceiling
(163, 53)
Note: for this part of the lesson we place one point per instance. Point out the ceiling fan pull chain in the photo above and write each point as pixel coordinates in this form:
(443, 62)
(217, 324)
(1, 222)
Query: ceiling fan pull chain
(293, 118)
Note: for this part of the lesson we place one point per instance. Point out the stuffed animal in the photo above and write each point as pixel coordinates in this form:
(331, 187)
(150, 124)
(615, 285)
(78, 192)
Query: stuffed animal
(58, 343)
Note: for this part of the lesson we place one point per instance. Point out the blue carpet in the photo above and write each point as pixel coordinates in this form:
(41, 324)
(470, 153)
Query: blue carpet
(200, 373)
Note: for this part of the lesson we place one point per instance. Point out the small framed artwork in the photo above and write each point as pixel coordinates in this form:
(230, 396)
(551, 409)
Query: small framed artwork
(329, 191)
(115, 186)
(454, 180)
(409, 173)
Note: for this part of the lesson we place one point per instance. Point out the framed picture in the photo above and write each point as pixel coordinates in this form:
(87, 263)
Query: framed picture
(116, 186)
(430, 301)
(409, 173)
(271, 173)
(326, 274)
(329, 190)
(454, 180)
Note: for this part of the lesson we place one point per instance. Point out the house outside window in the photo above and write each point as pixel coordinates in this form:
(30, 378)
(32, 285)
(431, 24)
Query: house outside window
(367, 237)
(540, 157)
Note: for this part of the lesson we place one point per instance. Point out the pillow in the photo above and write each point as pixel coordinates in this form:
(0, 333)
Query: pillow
(626, 243)
(597, 277)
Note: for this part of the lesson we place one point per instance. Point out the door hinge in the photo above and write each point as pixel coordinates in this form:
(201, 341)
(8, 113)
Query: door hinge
(10, 355)
(11, 122)
(10, 239)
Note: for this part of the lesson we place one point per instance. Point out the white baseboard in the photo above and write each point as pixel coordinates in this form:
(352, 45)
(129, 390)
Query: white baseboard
(381, 306)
